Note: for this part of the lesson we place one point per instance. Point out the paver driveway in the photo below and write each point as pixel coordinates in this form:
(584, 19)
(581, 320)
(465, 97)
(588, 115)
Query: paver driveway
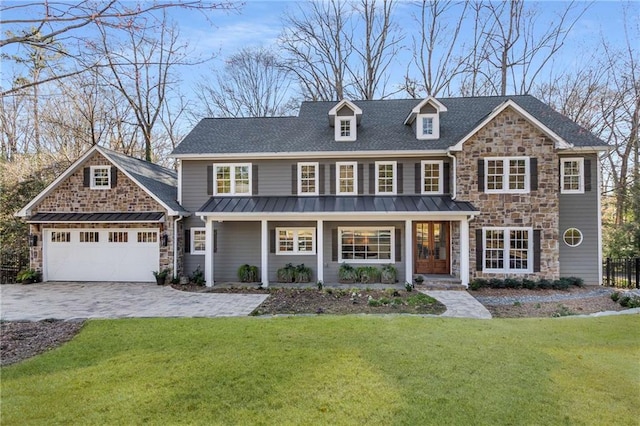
(117, 300)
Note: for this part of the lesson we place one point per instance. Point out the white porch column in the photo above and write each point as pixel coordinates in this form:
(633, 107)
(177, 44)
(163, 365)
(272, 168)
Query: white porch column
(464, 252)
(408, 251)
(320, 250)
(208, 253)
(264, 250)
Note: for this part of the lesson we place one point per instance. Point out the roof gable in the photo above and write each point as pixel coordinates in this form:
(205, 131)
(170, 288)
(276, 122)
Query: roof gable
(158, 182)
(428, 101)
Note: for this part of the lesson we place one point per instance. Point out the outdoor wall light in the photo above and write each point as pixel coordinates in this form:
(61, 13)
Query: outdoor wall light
(33, 240)
(165, 240)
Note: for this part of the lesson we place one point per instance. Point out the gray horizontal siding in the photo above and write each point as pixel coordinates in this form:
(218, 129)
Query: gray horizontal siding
(274, 177)
(581, 211)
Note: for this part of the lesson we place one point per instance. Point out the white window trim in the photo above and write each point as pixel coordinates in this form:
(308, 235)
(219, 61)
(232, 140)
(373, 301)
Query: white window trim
(352, 127)
(93, 177)
(506, 248)
(395, 177)
(355, 177)
(580, 189)
(232, 175)
(505, 176)
(317, 175)
(392, 232)
(296, 250)
(564, 237)
(193, 241)
(436, 126)
(440, 171)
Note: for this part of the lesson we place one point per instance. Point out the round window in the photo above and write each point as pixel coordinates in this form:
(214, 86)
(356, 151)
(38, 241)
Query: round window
(572, 237)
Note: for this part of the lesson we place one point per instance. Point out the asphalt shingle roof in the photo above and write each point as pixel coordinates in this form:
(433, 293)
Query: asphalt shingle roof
(381, 128)
(97, 217)
(160, 181)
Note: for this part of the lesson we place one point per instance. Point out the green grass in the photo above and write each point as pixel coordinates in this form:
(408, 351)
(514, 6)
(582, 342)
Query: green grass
(334, 370)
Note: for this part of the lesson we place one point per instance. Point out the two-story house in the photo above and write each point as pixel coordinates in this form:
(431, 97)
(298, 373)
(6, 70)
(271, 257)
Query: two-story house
(456, 187)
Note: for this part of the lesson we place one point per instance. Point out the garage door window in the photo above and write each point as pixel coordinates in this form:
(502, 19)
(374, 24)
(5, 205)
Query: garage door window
(89, 237)
(60, 237)
(147, 237)
(118, 237)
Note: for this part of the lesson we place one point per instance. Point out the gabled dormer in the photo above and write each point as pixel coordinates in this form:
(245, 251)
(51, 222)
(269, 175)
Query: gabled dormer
(345, 117)
(425, 118)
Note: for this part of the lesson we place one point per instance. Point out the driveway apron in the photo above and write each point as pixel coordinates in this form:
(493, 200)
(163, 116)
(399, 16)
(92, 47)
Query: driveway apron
(66, 301)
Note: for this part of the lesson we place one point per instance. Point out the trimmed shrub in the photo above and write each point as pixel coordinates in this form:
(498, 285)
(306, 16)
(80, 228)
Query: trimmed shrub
(529, 284)
(479, 283)
(561, 284)
(544, 284)
(615, 296)
(512, 283)
(496, 283)
(248, 273)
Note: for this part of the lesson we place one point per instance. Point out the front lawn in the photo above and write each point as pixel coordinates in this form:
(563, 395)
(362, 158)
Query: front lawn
(334, 370)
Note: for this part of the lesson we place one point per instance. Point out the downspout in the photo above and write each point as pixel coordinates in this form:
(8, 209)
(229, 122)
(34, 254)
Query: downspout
(454, 174)
(175, 244)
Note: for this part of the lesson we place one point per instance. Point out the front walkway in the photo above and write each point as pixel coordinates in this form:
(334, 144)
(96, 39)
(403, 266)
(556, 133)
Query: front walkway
(65, 301)
(460, 304)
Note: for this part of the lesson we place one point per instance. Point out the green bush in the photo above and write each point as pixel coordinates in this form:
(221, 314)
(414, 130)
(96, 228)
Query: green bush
(368, 274)
(303, 274)
(561, 284)
(512, 283)
(479, 283)
(388, 274)
(578, 282)
(615, 296)
(496, 283)
(347, 273)
(197, 277)
(28, 276)
(408, 286)
(248, 273)
(544, 284)
(529, 284)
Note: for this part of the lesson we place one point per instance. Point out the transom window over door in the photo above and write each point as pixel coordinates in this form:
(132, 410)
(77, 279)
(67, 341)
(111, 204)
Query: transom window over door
(232, 179)
(507, 175)
(347, 178)
(385, 177)
(308, 178)
(366, 245)
(507, 250)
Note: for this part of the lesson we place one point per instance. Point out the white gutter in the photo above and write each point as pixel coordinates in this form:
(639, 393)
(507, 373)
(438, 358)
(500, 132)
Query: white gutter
(453, 173)
(314, 154)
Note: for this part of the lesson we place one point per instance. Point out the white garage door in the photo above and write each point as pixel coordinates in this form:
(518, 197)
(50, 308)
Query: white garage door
(100, 254)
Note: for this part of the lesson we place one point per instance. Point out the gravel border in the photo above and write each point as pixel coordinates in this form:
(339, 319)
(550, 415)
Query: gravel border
(510, 300)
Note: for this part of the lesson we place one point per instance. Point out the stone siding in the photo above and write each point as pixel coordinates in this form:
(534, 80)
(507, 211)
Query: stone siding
(71, 196)
(511, 135)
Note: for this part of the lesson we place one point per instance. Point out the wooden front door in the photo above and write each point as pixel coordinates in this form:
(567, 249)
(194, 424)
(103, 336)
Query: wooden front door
(431, 242)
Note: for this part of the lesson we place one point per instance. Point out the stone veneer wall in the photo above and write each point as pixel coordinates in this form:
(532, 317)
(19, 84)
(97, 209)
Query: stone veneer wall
(510, 134)
(71, 196)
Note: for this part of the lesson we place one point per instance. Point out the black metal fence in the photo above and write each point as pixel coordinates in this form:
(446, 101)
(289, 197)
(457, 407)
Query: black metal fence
(10, 265)
(623, 273)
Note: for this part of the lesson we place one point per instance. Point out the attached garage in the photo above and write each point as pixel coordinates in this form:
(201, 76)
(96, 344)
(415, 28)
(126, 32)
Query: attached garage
(101, 254)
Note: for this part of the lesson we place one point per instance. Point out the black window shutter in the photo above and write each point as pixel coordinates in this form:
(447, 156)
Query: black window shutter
(446, 178)
(536, 250)
(334, 244)
(480, 175)
(332, 179)
(400, 179)
(254, 179)
(187, 240)
(114, 176)
(321, 179)
(360, 178)
(272, 241)
(398, 245)
(587, 175)
(210, 180)
(418, 178)
(215, 240)
(294, 179)
(372, 178)
(87, 176)
(533, 171)
(478, 249)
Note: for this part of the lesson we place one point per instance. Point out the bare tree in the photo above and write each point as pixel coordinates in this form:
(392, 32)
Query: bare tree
(436, 48)
(37, 24)
(252, 84)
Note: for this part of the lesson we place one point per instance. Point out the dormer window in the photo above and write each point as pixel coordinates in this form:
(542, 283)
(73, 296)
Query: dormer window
(425, 118)
(344, 117)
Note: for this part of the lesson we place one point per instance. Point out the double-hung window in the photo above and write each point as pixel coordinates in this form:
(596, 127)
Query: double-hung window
(198, 240)
(232, 179)
(366, 244)
(308, 178)
(347, 178)
(100, 177)
(572, 175)
(507, 174)
(428, 126)
(385, 177)
(432, 179)
(507, 250)
(296, 241)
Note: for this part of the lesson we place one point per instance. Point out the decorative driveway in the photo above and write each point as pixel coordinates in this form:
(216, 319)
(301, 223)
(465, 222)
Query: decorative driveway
(66, 301)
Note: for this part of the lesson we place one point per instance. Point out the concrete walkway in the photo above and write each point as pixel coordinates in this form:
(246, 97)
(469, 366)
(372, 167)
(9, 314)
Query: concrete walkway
(460, 304)
(66, 301)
